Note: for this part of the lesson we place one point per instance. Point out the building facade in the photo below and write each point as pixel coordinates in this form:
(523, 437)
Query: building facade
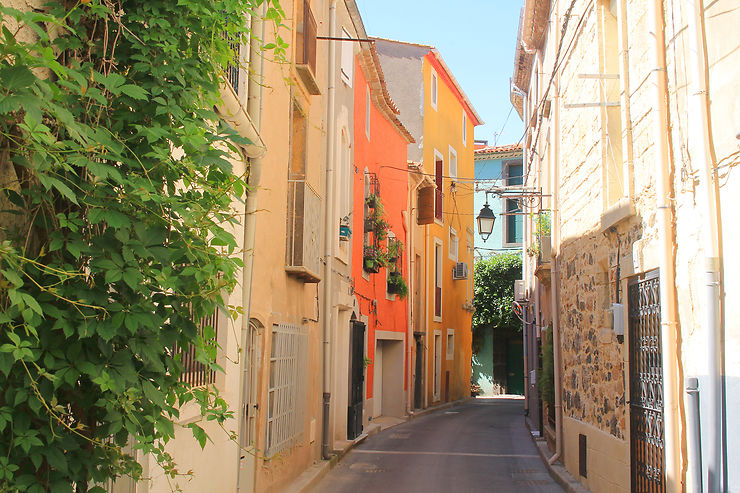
(630, 109)
(498, 167)
(380, 227)
(441, 120)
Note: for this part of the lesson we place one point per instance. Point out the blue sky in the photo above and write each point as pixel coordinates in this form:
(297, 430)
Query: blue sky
(476, 38)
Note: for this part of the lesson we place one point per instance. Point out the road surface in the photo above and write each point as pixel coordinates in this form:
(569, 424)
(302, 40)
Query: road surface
(476, 447)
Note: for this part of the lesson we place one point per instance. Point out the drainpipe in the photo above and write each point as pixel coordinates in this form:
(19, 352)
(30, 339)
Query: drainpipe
(407, 219)
(693, 425)
(667, 253)
(708, 198)
(329, 232)
(555, 263)
(254, 110)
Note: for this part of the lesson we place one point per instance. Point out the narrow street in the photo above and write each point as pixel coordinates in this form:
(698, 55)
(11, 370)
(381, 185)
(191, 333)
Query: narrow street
(474, 447)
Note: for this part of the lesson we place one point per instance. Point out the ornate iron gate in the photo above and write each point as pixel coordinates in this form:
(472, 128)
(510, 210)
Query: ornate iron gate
(646, 386)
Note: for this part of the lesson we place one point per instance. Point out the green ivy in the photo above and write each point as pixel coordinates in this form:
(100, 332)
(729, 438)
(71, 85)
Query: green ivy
(115, 215)
(494, 295)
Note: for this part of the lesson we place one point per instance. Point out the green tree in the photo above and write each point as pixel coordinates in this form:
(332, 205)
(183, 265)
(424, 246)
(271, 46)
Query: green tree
(116, 203)
(494, 295)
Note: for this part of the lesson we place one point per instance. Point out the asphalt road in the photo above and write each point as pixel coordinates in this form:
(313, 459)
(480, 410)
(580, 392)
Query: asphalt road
(481, 446)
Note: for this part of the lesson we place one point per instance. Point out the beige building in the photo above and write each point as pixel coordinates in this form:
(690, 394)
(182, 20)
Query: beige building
(632, 120)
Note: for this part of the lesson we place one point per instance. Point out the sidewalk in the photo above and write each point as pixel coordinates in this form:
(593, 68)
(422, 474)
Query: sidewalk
(558, 472)
(313, 474)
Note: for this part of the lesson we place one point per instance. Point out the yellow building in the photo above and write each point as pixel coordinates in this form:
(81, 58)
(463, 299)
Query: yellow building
(441, 218)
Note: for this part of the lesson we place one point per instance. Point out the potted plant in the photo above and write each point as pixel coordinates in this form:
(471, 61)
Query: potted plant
(373, 259)
(345, 232)
(543, 236)
(395, 249)
(373, 201)
(397, 285)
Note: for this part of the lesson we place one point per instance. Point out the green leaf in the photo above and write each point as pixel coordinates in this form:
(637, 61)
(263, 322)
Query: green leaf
(199, 434)
(16, 77)
(135, 92)
(154, 395)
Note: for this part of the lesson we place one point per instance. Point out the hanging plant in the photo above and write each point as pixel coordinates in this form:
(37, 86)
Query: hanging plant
(397, 285)
(373, 259)
(395, 249)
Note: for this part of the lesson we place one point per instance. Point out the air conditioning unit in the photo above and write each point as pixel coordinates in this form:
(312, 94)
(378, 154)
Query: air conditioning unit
(519, 291)
(460, 271)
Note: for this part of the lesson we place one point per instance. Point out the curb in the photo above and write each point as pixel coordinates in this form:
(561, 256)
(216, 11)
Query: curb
(557, 471)
(311, 476)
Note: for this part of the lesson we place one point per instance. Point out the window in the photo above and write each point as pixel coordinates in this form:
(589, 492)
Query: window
(453, 164)
(305, 47)
(438, 180)
(194, 372)
(249, 385)
(438, 279)
(513, 224)
(610, 92)
(433, 89)
(465, 128)
(450, 344)
(286, 394)
(304, 207)
(437, 363)
(453, 245)
(367, 112)
(347, 58)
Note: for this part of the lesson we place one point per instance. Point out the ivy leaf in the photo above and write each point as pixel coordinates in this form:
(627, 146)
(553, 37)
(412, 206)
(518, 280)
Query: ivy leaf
(135, 92)
(56, 459)
(154, 395)
(199, 434)
(16, 77)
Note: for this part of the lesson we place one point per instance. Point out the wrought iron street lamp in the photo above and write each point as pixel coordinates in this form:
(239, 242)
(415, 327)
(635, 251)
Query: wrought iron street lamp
(486, 219)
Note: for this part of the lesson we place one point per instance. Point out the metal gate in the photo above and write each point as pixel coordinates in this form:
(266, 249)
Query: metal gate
(357, 379)
(646, 386)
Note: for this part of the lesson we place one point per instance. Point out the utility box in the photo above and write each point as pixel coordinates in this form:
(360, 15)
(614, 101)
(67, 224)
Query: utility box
(519, 291)
(617, 312)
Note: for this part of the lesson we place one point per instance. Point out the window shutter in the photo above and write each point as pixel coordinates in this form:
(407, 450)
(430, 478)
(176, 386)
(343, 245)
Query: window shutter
(425, 206)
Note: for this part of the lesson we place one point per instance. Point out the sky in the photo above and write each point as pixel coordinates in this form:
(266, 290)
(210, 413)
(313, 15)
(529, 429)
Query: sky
(476, 38)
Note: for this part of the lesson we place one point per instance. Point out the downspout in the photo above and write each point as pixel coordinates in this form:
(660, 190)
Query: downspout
(254, 110)
(410, 299)
(329, 233)
(709, 199)
(525, 257)
(555, 262)
(667, 253)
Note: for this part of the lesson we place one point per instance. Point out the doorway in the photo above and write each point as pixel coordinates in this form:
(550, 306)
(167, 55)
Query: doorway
(647, 452)
(357, 379)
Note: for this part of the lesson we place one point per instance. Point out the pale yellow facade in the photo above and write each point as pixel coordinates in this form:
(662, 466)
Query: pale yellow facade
(638, 185)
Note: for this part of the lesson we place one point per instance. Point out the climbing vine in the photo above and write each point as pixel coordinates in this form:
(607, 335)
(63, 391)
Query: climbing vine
(115, 216)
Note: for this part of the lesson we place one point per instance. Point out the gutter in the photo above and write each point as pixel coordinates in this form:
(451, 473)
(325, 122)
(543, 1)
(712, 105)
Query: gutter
(254, 113)
(555, 264)
(329, 236)
(715, 450)
(664, 173)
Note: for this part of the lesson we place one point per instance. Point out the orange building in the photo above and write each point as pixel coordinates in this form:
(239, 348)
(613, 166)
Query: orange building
(441, 174)
(379, 267)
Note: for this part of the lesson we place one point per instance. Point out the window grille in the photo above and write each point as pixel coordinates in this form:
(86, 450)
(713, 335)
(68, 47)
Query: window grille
(194, 372)
(286, 396)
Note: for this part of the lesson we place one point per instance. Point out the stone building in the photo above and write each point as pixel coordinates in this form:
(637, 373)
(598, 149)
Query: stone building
(631, 112)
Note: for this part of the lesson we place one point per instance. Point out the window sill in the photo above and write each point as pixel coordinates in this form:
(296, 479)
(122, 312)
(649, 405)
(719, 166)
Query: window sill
(617, 213)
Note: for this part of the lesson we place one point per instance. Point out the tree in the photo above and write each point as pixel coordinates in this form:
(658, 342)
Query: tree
(116, 201)
(494, 295)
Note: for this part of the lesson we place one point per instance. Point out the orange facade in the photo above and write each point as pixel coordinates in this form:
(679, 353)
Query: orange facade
(379, 168)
